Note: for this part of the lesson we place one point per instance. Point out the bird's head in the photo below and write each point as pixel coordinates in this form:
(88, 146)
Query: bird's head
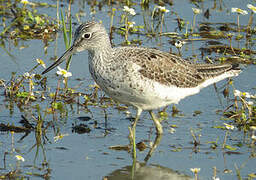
(90, 36)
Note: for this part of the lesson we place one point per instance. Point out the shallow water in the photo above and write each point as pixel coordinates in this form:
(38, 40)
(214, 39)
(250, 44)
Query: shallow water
(87, 155)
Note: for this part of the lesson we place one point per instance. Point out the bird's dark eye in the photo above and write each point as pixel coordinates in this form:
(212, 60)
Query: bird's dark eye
(86, 35)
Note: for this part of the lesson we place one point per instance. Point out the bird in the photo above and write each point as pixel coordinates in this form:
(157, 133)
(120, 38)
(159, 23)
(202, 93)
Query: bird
(145, 78)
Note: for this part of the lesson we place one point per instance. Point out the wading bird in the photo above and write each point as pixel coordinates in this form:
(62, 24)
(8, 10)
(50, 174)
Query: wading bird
(145, 78)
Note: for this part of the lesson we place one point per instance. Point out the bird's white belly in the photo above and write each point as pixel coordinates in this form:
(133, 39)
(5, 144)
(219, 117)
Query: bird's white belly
(148, 95)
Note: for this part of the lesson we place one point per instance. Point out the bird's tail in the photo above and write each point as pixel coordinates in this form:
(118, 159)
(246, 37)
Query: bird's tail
(215, 73)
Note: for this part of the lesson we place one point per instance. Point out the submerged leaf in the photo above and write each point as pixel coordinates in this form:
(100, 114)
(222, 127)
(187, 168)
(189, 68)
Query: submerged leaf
(120, 147)
(230, 147)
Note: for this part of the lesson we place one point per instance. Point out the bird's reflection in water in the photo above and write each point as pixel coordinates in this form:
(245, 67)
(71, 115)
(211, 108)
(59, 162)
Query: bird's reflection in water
(153, 147)
(146, 172)
(142, 171)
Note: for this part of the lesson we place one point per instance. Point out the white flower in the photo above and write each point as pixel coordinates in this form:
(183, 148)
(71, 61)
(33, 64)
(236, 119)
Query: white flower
(128, 113)
(215, 178)
(246, 94)
(250, 103)
(20, 158)
(27, 2)
(24, 1)
(237, 93)
(195, 170)
(130, 24)
(151, 144)
(26, 74)
(251, 7)
(229, 126)
(163, 9)
(172, 130)
(253, 137)
(197, 11)
(179, 44)
(253, 128)
(129, 10)
(58, 137)
(41, 62)
(239, 11)
(63, 72)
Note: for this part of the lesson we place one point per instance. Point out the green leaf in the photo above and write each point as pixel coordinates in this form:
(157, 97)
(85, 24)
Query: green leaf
(176, 149)
(25, 95)
(38, 19)
(163, 114)
(22, 94)
(219, 127)
(65, 37)
(70, 32)
(30, 15)
(69, 44)
(230, 147)
(173, 126)
(43, 4)
(64, 30)
(252, 175)
(57, 105)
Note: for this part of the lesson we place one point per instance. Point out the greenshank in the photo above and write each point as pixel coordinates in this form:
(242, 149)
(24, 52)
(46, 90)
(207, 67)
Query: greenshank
(145, 78)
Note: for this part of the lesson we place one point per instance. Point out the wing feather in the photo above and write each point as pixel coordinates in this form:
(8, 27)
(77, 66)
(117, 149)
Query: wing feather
(169, 69)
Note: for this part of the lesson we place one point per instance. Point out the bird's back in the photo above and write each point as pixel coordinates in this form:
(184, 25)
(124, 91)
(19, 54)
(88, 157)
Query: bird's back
(169, 69)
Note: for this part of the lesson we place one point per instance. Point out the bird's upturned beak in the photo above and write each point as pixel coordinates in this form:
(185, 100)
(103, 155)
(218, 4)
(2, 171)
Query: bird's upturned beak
(64, 56)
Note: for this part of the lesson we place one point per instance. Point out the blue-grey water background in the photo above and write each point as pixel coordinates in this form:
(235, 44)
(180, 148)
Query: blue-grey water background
(87, 156)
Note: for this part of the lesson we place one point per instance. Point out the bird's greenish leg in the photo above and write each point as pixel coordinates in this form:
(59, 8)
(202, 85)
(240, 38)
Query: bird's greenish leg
(133, 131)
(159, 129)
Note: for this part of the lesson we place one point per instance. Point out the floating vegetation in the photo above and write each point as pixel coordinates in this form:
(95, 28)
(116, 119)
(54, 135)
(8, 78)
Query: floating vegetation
(243, 110)
(22, 21)
(81, 129)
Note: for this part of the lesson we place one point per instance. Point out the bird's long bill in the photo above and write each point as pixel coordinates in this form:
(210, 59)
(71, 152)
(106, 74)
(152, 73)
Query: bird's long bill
(64, 56)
